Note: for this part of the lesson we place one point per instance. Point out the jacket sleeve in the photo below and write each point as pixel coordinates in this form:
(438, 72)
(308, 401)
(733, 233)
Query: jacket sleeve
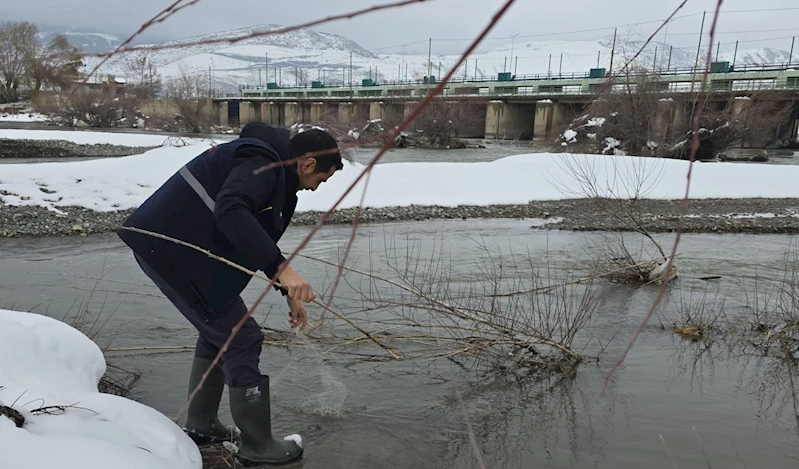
(242, 195)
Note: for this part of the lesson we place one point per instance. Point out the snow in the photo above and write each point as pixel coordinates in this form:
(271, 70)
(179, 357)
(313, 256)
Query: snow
(23, 117)
(295, 438)
(595, 122)
(44, 363)
(121, 183)
(89, 137)
(570, 136)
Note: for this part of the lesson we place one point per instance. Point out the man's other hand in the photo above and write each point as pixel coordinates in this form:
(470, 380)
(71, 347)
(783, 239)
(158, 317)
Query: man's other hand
(298, 315)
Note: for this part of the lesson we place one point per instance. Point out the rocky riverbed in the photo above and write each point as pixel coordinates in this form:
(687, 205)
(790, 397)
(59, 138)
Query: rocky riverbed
(656, 216)
(17, 148)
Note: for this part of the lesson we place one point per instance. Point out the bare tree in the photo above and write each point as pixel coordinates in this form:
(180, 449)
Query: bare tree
(17, 41)
(442, 123)
(56, 63)
(143, 79)
(187, 92)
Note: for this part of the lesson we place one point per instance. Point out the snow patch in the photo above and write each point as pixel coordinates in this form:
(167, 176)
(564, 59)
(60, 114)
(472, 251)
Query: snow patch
(44, 363)
(570, 136)
(295, 438)
(595, 122)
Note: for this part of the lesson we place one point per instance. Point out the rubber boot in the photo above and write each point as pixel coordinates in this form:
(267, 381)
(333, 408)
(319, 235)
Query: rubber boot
(202, 424)
(252, 413)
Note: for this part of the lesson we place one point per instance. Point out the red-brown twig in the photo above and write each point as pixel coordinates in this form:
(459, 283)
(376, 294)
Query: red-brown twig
(162, 16)
(415, 113)
(355, 223)
(244, 37)
(472, 438)
(684, 208)
(662, 25)
(789, 363)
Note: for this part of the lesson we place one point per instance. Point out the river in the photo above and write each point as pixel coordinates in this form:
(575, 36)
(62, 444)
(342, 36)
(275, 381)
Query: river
(668, 405)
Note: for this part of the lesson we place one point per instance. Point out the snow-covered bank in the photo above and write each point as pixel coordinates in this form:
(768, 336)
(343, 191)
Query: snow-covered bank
(91, 137)
(45, 362)
(23, 117)
(123, 183)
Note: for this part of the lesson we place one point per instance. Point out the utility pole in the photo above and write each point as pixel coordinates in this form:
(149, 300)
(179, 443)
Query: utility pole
(735, 54)
(516, 66)
(612, 50)
(598, 55)
(512, 42)
(429, 58)
(790, 56)
(350, 72)
(717, 51)
(698, 47)
(560, 68)
(668, 65)
(266, 70)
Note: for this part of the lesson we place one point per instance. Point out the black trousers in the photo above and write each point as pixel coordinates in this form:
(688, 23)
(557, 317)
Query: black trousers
(240, 360)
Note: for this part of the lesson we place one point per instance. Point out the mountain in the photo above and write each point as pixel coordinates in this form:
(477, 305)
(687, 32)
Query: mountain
(89, 42)
(299, 57)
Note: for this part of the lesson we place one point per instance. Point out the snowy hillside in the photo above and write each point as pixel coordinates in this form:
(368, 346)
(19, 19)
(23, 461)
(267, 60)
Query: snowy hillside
(299, 57)
(88, 42)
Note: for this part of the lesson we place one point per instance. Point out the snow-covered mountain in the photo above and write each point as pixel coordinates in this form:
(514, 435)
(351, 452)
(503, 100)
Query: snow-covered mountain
(88, 42)
(299, 57)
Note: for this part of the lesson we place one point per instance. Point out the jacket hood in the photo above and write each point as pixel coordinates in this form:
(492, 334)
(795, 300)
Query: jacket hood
(278, 137)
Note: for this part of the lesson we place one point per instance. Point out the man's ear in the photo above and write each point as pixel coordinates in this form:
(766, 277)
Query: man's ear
(308, 165)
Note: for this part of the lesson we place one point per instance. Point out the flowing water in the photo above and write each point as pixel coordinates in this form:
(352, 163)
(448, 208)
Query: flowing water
(670, 405)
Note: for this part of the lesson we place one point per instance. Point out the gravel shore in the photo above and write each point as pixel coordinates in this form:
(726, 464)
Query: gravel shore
(16, 148)
(704, 216)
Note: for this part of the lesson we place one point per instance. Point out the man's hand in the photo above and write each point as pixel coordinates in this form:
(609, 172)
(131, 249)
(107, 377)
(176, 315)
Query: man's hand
(298, 315)
(298, 287)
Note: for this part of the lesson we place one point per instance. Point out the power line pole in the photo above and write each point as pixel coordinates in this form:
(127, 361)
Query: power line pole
(612, 50)
(790, 56)
(429, 59)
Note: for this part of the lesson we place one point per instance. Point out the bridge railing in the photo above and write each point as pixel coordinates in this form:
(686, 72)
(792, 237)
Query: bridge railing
(517, 78)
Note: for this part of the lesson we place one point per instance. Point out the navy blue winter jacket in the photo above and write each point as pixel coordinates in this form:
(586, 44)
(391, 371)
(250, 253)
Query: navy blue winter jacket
(230, 211)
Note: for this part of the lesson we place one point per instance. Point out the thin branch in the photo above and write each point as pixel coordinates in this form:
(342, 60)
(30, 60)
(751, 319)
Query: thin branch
(684, 210)
(254, 35)
(159, 18)
(472, 438)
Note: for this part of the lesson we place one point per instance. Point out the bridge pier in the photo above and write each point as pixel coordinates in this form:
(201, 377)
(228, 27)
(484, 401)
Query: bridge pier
(293, 114)
(223, 114)
(270, 113)
(248, 113)
(376, 110)
(317, 113)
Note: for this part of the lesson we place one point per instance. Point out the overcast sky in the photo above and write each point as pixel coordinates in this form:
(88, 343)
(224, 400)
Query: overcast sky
(448, 22)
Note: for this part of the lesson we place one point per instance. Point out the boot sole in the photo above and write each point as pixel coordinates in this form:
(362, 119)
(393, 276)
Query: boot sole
(253, 463)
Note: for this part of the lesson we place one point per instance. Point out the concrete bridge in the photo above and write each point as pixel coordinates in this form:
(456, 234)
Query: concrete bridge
(528, 107)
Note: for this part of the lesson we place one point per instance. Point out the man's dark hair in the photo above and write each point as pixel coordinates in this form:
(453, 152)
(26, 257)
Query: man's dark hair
(315, 140)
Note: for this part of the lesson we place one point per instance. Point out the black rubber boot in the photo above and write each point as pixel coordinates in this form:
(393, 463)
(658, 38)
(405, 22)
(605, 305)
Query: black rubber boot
(252, 413)
(202, 424)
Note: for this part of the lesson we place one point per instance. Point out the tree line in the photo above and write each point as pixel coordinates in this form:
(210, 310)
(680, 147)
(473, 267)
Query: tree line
(26, 63)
